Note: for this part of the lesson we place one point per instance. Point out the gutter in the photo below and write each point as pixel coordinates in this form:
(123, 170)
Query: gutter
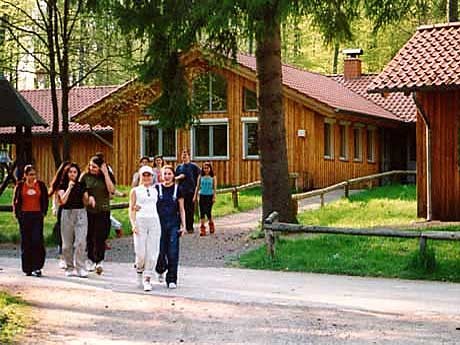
(100, 138)
(429, 204)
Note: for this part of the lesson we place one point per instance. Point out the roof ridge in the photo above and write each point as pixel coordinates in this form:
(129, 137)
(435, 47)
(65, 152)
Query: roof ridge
(438, 26)
(74, 88)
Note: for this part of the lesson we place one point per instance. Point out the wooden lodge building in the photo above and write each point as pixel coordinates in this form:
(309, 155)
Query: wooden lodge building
(335, 130)
(428, 68)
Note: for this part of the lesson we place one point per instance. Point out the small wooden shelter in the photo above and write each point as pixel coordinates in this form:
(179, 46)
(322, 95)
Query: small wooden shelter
(428, 67)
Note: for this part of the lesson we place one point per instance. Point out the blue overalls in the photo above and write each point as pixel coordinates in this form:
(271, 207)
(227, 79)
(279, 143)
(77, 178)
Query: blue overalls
(168, 211)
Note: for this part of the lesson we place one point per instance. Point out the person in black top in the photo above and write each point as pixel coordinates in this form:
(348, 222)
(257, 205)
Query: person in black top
(72, 196)
(187, 174)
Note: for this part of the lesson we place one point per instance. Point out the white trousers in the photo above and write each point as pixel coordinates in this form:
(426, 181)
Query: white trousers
(147, 244)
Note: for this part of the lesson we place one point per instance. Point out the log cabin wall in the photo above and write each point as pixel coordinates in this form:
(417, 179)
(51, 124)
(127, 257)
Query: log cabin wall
(443, 112)
(305, 153)
(83, 146)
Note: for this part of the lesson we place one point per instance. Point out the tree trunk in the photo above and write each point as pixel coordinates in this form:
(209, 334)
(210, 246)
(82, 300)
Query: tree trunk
(452, 11)
(335, 62)
(276, 194)
(51, 7)
(64, 75)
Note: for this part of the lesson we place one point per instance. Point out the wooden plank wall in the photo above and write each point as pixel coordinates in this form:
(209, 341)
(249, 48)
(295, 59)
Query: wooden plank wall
(83, 146)
(305, 155)
(443, 111)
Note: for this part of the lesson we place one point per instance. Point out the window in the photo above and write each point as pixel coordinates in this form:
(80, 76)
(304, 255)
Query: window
(343, 137)
(328, 140)
(250, 138)
(157, 141)
(357, 144)
(210, 140)
(370, 133)
(210, 93)
(249, 100)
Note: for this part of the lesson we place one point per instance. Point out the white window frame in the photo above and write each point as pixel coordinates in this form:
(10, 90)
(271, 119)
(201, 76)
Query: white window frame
(245, 121)
(345, 124)
(210, 122)
(371, 129)
(359, 127)
(331, 123)
(155, 123)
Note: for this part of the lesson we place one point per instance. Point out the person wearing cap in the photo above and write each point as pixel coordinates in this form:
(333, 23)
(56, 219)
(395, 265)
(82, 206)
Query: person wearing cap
(146, 227)
(144, 161)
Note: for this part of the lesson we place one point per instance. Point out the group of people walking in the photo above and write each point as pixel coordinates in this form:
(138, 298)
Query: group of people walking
(161, 209)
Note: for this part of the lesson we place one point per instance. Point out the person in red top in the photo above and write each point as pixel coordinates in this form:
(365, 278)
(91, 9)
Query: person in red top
(30, 205)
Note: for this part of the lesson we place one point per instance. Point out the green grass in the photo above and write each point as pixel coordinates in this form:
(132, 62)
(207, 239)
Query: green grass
(9, 231)
(12, 317)
(362, 256)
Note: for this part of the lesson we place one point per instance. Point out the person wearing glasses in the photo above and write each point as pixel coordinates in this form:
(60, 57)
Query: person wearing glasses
(30, 205)
(146, 227)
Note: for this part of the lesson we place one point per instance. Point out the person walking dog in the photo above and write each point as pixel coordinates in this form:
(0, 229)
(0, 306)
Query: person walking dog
(30, 205)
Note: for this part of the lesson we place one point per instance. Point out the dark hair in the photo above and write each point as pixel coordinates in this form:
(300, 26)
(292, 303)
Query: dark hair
(170, 167)
(28, 168)
(98, 160)
(162, 161)
(186, 151)
(145, 157)
(211, 171)
(65, 174)
(56, 181)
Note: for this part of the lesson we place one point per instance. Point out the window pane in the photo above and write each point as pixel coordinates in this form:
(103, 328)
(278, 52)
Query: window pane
(343, 141)
(219, 93)
(169, 143)
(327, 140)
(202, 141)
(201, 92)
(220, 140)
(250, 100)
(150, 141)
(356, 143)
(252, 144)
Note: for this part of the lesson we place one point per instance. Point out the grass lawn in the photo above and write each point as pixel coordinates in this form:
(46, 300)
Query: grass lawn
(12, 317)
(9, 231)
(363, 256)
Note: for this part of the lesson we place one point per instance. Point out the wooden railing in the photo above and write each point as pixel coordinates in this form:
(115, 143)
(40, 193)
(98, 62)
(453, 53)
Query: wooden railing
(272, 225)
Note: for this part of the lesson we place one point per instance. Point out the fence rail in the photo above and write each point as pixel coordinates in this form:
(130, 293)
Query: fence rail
(272, 226)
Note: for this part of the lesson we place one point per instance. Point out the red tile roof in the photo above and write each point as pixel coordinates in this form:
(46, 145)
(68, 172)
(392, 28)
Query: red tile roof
(429, 60)
(79, 98)
(399, 104)
(324, 90)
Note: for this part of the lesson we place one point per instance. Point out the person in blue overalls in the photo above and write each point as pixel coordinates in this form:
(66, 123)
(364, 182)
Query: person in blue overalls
(170, 207)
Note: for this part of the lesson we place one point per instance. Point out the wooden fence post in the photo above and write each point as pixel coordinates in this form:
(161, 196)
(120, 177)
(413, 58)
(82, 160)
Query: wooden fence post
(269, 236)
(235, 197)
(322, 199)
(346, 190)
(422, 246)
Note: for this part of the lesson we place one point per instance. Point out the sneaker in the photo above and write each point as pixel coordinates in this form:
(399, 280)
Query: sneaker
(69, 273)
(37, 273)
(28, 274)
(172, 286)
(139, 278)
(62, 265)
(161, 278)
(90, 266)
(119, 232)
(82, 273)
(107, 245)
(99, 268)
(147, 285)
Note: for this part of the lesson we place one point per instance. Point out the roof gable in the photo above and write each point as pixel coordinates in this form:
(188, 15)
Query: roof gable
(430, 60)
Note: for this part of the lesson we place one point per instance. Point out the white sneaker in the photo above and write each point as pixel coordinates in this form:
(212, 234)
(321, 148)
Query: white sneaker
(69, 273)
(172, 286)
(161, 278)
(90, 266)
(99, 268)
(147, 285)
(62, 264)
(82, 273)
(139, 279)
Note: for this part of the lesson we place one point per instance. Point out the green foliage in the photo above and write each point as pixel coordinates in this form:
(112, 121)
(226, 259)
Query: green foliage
(12, 317)
(423, 261)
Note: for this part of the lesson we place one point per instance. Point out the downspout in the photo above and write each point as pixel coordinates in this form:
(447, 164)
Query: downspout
(429, 208)
(99, 137)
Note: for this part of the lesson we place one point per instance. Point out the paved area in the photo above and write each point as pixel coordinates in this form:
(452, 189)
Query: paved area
(234, 306)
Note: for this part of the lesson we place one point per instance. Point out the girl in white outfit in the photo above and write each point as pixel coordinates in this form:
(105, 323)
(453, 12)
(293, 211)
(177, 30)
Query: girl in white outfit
(145, 224)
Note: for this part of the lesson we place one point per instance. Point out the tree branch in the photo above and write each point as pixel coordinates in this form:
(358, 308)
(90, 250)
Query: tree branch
(24, 12)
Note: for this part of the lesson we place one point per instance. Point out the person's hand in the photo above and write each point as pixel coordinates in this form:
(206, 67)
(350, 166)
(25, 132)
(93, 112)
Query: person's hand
(181, 231)
(194, 199)
(135, 230)
(213, 199)
(137, 208)
(104, 169)
(92, 202)
(71, 184)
